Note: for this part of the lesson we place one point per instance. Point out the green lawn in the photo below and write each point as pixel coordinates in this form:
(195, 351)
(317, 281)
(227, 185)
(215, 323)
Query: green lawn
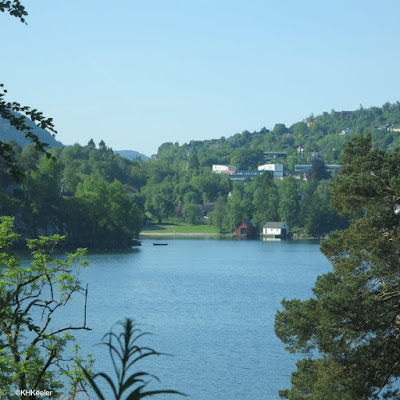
(169, 228)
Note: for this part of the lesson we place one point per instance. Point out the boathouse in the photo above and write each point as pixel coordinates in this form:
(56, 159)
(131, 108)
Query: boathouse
(245, 228)
(275, 229)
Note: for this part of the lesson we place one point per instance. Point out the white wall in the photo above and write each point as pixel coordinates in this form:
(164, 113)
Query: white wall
(276, 168)
(220, 168)
(271, 167)
(275, 231)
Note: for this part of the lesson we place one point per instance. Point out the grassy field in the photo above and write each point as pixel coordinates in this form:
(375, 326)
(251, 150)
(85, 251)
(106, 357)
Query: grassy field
(177, 228)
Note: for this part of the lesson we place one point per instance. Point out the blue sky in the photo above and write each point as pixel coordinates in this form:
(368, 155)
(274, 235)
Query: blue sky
(140, 73)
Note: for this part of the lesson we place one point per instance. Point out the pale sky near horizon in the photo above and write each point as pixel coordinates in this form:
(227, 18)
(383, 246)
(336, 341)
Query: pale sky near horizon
(140, 73)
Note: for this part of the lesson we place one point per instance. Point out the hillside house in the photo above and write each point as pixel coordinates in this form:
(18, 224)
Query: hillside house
(274, 155)
(275, 229)
(277, 169)
(245, 228)
(387, 127)
(346, 131)
(243, 175)
(316, 155)
(223, 169)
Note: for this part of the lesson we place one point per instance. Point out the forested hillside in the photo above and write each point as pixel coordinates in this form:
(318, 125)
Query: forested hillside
(323, 134)
(85, 194)
(99, 199)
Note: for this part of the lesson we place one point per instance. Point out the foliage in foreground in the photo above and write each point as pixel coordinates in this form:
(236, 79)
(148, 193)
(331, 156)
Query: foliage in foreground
(124, 354)
(33, 350)
(350, 329)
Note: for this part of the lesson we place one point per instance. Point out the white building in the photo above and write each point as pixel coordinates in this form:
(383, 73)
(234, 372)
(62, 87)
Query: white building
(223, 169)
(346, 131)
(275, 229)
(277, 169)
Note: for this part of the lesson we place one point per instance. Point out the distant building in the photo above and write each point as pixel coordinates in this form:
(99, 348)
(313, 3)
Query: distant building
(316, 155)
(277, 169)
(242, 175)
(276, 229)
(207, 208)
(245, 228)
(346, 131)
(273, 155)
(223, 169)
(302, 167)
(238, 175)
(307, 167)
(387, 127)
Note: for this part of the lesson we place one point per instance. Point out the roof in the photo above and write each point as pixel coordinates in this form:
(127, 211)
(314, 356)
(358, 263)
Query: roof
(274, 225)
(246, 221)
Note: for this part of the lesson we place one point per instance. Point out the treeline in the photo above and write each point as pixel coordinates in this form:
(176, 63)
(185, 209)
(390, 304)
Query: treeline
(304, 206)
(316, 134)
(100, 199)
(82, 193)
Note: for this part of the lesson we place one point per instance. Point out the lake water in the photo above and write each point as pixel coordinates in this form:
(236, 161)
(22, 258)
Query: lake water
(209, 303)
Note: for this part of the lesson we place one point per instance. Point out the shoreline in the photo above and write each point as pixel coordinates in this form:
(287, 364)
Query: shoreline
(149, 233)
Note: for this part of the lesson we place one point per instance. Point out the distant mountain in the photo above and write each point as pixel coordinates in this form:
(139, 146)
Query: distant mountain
(8, 133)
(131, 155)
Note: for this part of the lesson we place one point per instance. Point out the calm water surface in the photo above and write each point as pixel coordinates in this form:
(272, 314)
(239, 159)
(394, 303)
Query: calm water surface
(209, 303)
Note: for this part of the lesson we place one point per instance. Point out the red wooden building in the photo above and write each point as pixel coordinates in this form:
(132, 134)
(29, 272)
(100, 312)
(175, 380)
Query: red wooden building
(245, 228)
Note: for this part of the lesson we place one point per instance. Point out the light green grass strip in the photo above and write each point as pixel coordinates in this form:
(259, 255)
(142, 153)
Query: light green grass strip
(182, 229)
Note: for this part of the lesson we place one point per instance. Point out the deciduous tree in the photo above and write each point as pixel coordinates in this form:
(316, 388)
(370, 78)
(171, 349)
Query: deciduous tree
(288, 201)
(218, 214)
(33, 350)
(266, 201)
(192, 213)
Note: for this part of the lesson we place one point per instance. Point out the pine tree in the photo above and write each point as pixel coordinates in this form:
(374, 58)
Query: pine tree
(350, 329)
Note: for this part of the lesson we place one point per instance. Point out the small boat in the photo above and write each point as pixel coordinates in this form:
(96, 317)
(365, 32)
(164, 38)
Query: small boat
(160, 244)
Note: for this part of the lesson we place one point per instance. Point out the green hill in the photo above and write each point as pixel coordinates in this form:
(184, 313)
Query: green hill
(131, 154)
(8, 133)
(316, 136)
